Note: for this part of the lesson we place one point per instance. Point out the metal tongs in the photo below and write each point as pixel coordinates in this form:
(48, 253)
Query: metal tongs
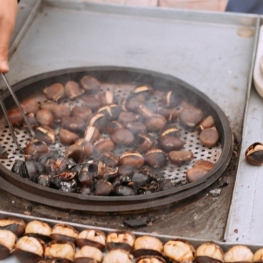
(11, 128)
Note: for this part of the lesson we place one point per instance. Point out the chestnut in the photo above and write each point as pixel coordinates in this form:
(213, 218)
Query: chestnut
(64, 233)
(208, 122)
(88, 254)
(74, 124)
(113, 126)
(31, 117)
(87, 173)
(171, 99)
(92, 134)
(61, 111)
(155, 122)
(209, 252)
(15, 225)
(99, 121)
(30, 106)
(254, 154)
(150, 259)
(107, 98)
(103, 188)
(55, 92)
(126, 117)
(120, 239)
(238, 253)
(82, 112)
(146, 90)
(77, 153)
(204, 164)
(90, 84)
(122, 136)
(132, 102)
(7, 243)
(110, 159)
(136, 127)
(155, 158)
(67, 137)
(180, 157)
(144, 111)
(16, 117)
(45, 134)
(91, 237)
(169, 114)
(209, 137)
(38, 229)
(144, 142)
(190, 117)
(35, 149)
(179, 251)
(147, 245)
(117, 256)
(91, 101)
(73, 90)
(29, 249)
(131, 158)
(194, 174)
(258, 256)
(64, 251)
(107, 173)
(111, 111)
(88, 147)
(103, 145)
(170, 130)
(170, 143)
(45, 118)
(48, 105)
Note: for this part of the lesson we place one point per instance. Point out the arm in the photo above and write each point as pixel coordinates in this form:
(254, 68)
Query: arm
(8, 11)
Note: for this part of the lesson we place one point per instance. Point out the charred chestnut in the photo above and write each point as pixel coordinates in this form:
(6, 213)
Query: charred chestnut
(107, 173)
(120, 239)
(179, 251)
(99, 121)
(38, 229)
(123, 190)
(254, 154)
(209, 137)
(209, 252)
(180, 157)
(190, 117)
(131, 158)
(64, 233)
(238, 253)
(88, 254)
(45, 118)
(45, 134)
(76, 152)
(7, 243)
(111, 112)
(64, 251)
(55, 92)
(122, 136)
(90, 84)
(155, 158)
(29, 249)
(91, 237)
(73, 90)
(67, 137)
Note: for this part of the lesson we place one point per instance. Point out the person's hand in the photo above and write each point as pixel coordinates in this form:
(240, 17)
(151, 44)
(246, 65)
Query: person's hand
(8, 11)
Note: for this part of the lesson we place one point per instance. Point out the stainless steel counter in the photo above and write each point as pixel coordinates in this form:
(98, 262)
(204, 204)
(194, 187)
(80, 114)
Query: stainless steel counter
(208, 50)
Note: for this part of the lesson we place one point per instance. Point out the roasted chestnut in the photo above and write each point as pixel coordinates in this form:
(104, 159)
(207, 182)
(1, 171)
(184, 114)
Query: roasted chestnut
(67, 137)
(7, 243)
(108, 98)
(132, 102)
(111, 112)
(82, 112)
(208, 122)
(136, 127)
(238, 253)
(126, 117)
(120, 239)
(170, 143)
(209, 137)
(190, 117)
(258, 256)
(35, 149)
(194, 174)
(88, 254)
(92, 134)
(103, 145)
(131, 158)
(91, 101)
(180, 157)
(155, 158)
(254, 154)
(122, 136)
(48, 105)
(113, 126)
(144, 142)
(155, 122)
(204, 164)
(103, 187)
(45, 134)
(91, 237)
(90, 84)
(30, 106)
(179, 251)
(64, 233)
(74, 124)
(73, 90)
(117, 256)
(99, 121)
(64, 251)
(209, 252)
(87, 173)
(77, 153)
(55, 92)
(144, 90)
(144, 111)
(15, 225)
(16, 117)
(61, 111)
(171, 99)
(169, 114)
(110, 159)
(38, 229)
(45, 118)
(29, 249)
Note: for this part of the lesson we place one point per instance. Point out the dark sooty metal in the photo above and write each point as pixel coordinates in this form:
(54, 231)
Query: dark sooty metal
(221, 155)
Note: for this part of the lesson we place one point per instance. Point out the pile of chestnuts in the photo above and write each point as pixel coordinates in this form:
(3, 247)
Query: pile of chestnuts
(113, 146)
(38, 241)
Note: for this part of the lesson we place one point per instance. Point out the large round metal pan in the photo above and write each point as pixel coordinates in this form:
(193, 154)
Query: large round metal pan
(18, 186)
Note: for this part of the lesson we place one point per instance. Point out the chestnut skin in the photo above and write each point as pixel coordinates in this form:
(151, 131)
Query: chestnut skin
(15, 225)
(64, 233)
(91, 237)
(7, 243)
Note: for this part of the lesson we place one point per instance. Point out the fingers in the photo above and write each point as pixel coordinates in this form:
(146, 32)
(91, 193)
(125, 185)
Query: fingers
(8, 11)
